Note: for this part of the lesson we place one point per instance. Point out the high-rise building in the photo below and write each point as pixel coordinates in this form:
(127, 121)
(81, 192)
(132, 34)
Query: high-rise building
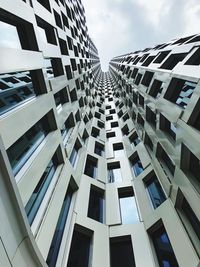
(98, 169)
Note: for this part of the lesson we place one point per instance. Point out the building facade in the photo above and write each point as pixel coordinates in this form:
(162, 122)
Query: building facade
(98, 169)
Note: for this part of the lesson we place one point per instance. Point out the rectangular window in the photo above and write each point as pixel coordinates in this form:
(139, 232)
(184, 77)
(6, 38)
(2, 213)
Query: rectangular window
(121, 252)
(134, 139)
(96, 204)
(17, 33)
(91, 167)
(190, 220)
(190, 165)
(172, 61)
(180, 91)
(61, 98)
(128, 208)
(155, 191)
(156, 89)
(60, 227)
(136, 166)
(118, 149)
(24, 147)
(168, 127)
(80, 250)
(114, 172)
(163, 248)
(151, 116)
(99, 149)
(17, 88)
(46, 31)
(74, 154)
(39, 192)
(166, 163)
(95, 132)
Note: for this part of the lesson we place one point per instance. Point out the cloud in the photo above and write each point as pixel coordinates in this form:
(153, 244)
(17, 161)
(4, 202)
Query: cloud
(118, 26)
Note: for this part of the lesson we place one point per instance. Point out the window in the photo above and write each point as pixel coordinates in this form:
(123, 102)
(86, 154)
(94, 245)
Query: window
(151, 116)
(163, 248)
(24, 147)
(134, 139)
(165, 161)
(18, 33)
(45, 3)
(46, 31)
(57, 67)
(110, 134)
(114, 124)
(168, 127)
(58, 19)
(161, 56)
(95, 132)
(147, 78)
(99, 148)
(11, 38)
(189, 219)
(80, 250)
(179, 92)
(138, 78)
(128, 208)
(66, 128)
(39, 192)
(60, 227)
(118, 150)
(148, 142)
(156, 89)
(125, 130)
(91, 166)
(121, 252)
(172, 61)
(114, 172)
(61, 98)
(194, 59)
(17, 88)
(155, 191)
(96, 204)
(74, 154)
(136, 166)
(190, 165)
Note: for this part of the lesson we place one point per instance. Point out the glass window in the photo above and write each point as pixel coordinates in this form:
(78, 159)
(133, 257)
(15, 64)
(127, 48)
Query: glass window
(163, 248)
(121, 252)
(99, 149)
(155, 191)
(96, 204)
(60, 227)
(74, 155)
(24, 147)
(136, 166)
(128, 208)
(39, 192)
(114, 172)
(79, 255)
(91, 167)
(10, 36)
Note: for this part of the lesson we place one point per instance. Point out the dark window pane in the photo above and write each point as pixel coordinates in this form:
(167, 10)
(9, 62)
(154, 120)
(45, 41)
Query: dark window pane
(60, 227)
(39, 192)
(121, 253)
(24, 147)
(96, 202)
(79, 251)
(155, 191)
(163, 248)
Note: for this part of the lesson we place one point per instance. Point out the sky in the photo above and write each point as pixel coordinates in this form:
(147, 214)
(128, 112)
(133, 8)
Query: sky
(122, 26)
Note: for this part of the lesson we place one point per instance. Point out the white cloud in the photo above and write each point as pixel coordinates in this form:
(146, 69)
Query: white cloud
(119, 26)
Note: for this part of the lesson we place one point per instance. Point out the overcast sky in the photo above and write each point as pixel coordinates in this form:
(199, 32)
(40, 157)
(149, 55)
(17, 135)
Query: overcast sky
(122, 26)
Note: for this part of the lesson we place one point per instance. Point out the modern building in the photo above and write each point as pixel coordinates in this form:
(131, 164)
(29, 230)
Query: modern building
(98, 169)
